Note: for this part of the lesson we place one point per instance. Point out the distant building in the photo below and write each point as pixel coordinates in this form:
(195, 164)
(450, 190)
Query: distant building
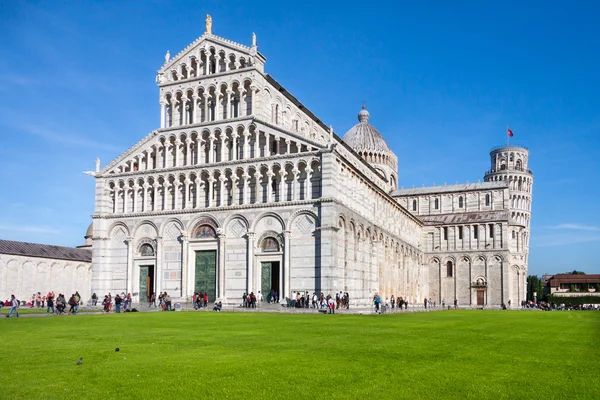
(28, 268)
(572, 285)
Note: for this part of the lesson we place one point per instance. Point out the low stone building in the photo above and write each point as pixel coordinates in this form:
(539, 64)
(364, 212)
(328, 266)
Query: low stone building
(28, 268)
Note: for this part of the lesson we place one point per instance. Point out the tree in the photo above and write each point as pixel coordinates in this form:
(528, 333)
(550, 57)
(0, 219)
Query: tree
(534, 285)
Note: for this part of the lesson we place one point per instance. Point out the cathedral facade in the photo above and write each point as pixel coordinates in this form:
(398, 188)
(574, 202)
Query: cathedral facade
(242, 189)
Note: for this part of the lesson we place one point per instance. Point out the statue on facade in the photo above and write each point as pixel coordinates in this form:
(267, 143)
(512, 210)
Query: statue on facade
(167, 57)
(97, 164)
(253, 39)
(208, 24)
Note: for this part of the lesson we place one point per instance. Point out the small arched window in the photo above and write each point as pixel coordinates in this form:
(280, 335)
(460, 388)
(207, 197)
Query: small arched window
(519, 165)
(436, 204)
(487, 200)
(205, 232)
(460, 202)
(449, 269)
(269, 244)
(414, 205)
(146, 250)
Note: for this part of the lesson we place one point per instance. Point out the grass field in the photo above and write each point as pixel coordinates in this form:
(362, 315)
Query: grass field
(186, 355)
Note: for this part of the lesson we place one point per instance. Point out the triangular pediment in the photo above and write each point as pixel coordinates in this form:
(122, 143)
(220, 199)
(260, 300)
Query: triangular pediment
(206, 43)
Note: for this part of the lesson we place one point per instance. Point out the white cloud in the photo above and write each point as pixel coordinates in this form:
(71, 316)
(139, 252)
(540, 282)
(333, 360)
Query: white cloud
(29, 229)
(576, 227)
(562, 240)
(76, 141)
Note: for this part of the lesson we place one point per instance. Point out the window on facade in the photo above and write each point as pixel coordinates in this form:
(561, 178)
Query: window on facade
(513, 234)
(460, 229)
(475, 232)
(205, 232)
(460, 202)
(491, 229)
(436, 204)
(414, 205)
(146, 250)
(449, 269)
(445, 233)
(487, 200)
(275, 142)
(269, 244)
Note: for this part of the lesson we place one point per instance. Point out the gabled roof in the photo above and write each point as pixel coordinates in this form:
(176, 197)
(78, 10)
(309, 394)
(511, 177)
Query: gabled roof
(206, 37)
(461, 187)
(44, 251)
(464, 218)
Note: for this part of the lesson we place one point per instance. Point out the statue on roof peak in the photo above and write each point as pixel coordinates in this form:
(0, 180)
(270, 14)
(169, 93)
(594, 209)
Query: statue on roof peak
(208, 24)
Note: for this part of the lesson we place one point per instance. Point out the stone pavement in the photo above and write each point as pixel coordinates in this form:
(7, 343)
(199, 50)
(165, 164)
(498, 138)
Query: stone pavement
(261, 308)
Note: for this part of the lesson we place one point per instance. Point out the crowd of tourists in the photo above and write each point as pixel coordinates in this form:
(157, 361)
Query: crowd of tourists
(51, 302)
(550, 306)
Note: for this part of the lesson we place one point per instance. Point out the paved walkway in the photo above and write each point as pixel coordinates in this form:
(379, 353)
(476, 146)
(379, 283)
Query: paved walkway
(264, 307)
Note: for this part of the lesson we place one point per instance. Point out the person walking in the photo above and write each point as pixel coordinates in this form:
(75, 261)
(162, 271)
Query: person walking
(14, 303)
(50, 303)
(118, 301)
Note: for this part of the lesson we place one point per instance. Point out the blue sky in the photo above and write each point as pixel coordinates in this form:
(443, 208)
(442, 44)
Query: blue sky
(441, 79)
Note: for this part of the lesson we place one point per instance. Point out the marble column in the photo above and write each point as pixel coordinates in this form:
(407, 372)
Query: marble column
(222, 200)
(281, 175)
(269, 181)
(211, 181)
(286, 264)
(130, 244)
(185, 270)
(250, 262)
(163, 111)
(221, 239)
(246, 151)
(211, 152)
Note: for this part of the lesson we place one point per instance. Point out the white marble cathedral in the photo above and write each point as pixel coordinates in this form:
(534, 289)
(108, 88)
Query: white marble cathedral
(243, 189)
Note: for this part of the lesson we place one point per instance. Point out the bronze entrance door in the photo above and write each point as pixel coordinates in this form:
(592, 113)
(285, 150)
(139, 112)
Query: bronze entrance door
(146, 282)
(269, 278)
(206, 273)
(480, 297)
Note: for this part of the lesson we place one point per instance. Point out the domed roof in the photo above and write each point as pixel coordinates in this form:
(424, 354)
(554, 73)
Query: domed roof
(364, 137)
(90, 231)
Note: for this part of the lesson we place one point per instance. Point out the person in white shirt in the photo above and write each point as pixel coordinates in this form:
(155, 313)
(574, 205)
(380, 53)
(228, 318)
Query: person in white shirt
(14, 303)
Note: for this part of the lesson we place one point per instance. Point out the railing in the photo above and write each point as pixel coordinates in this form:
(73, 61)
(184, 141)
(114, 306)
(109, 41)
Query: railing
(508, 170)
(520, 146)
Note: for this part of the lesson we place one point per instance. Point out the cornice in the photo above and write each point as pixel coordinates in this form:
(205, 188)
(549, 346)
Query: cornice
(217, 165)
(214, 209)
(199, 79)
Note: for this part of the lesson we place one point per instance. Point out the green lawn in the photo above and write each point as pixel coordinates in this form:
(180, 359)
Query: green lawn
(185, 355)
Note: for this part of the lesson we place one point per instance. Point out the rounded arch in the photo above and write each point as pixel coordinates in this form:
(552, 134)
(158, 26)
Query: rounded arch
(166, 223)
(240, 217)
(204, 219)
(115, 225)
(139, 224)
(267, 235)
(266, 214)
(298, 213)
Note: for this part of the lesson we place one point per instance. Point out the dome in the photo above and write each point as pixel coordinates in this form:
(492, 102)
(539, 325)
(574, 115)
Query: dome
(363, 137)
(90, 231)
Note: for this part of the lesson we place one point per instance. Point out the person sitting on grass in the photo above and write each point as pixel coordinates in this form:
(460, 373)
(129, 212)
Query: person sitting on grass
(218, 306)
(61, 304)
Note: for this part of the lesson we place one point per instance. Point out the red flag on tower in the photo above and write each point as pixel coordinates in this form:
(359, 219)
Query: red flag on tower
(510, 133)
